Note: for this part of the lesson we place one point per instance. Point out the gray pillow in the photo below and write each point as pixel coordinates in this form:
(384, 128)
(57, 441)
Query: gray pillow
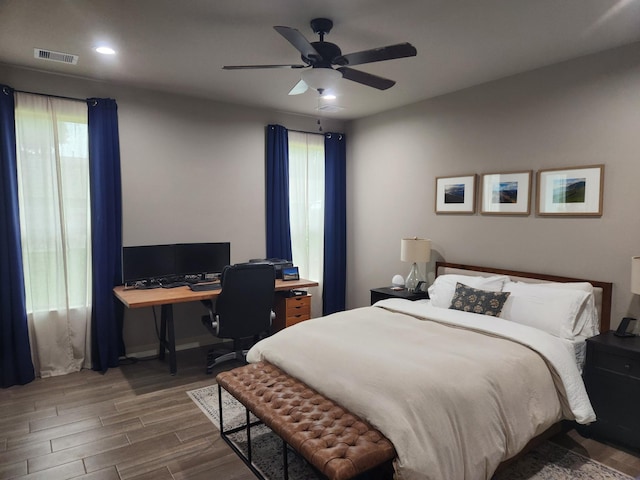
(474, 300)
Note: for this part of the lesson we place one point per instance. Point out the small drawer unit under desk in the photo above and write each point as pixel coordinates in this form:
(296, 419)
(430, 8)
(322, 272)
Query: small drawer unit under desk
(612, 378)
(291, 309)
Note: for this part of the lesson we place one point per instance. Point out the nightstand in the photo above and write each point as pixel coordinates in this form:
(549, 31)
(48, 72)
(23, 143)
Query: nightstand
(612, 378)
(387, 292)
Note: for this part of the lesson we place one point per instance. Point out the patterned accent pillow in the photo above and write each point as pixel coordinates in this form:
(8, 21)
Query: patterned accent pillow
(474, 300)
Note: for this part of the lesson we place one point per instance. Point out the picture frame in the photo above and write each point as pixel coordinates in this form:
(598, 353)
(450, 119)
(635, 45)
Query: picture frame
(506, 193)
(571, 191)
(456, 194)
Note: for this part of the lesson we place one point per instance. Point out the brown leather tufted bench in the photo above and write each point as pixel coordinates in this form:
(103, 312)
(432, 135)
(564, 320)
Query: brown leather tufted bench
(337, 443)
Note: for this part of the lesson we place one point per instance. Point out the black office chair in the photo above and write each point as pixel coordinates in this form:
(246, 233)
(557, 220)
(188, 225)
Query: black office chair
(242, 310)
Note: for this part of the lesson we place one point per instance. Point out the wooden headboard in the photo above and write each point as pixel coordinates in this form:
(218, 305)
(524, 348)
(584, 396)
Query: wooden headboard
(602, 290)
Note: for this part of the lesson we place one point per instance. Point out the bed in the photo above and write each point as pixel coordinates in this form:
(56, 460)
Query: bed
(458, 392)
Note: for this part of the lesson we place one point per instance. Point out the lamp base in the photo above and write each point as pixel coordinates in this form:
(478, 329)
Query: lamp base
(413, 282)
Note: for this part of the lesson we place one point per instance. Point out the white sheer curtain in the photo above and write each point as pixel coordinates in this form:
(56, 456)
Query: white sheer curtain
(306, 208)
(53, 189)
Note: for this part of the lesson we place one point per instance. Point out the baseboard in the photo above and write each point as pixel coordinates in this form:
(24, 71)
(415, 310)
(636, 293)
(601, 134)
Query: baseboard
(146, 351)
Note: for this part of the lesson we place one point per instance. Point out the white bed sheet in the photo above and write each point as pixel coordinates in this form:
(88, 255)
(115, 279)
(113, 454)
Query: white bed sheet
(580, 351)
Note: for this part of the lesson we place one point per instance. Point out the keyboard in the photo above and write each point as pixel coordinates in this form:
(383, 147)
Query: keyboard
(203, 287)
(174, 284)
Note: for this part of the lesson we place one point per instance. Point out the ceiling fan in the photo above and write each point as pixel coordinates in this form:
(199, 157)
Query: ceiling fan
(319, 58)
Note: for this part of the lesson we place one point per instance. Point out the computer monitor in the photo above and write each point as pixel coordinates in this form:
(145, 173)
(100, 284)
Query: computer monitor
(198, 258)
(147, 262)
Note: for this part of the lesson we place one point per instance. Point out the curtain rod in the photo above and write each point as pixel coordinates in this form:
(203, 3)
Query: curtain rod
(54, 96)
(302, 131)
(315, 133)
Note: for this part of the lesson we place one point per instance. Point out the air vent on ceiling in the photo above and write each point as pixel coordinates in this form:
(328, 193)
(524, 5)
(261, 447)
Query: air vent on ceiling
(52, 56)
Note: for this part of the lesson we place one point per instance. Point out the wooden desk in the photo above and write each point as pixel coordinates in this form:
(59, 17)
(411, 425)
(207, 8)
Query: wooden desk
(166, 297)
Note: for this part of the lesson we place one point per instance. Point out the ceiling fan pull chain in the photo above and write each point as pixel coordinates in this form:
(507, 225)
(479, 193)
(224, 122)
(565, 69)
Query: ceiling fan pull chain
(319, 124)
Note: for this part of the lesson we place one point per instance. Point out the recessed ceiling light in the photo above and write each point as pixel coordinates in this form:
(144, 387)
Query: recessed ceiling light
(105, 50)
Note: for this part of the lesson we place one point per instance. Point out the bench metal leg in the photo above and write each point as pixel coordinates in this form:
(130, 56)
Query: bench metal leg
(224, 434)
(247, 459)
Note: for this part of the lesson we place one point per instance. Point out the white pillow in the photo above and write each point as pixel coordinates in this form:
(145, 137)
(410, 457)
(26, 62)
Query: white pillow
(442, 290)
(587, 324)
(548, 307)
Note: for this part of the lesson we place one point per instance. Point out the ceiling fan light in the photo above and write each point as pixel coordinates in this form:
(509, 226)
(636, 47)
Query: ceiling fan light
(105, 50)
(321, 78)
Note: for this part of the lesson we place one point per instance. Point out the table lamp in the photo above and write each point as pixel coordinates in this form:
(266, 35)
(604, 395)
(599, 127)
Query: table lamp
(414, 250)
(635, 288)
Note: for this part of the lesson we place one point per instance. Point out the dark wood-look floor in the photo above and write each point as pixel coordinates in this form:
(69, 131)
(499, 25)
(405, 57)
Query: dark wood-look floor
(136, 422)
(623, 460)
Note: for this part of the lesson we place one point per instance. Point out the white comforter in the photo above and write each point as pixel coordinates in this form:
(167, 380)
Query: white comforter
(452, 394)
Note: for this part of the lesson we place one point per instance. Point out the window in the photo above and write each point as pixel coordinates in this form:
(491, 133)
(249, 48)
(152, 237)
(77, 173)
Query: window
(306, 207)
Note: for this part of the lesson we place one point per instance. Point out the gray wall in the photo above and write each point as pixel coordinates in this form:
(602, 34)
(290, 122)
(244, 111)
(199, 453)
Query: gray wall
(192, 171)
(581, 112)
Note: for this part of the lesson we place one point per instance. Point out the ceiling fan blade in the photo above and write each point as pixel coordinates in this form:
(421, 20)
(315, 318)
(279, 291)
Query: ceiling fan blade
(366, 78)
(390, 52)
(298, 40)
(256, 67)
(299, 88)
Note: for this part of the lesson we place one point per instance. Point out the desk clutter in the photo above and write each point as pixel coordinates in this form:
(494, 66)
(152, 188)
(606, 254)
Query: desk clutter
(280, 265)
(174, 281)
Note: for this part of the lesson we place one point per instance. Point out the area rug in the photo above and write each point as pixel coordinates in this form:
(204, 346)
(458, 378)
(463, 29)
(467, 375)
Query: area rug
(547, 462)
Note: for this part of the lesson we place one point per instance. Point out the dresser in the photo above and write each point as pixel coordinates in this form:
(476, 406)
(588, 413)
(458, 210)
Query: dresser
(290, 309)
(612, 378)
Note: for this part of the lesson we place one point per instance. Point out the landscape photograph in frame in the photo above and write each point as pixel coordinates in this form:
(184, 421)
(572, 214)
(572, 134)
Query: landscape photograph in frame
(572, 191)
(506, 193)
(456, 194)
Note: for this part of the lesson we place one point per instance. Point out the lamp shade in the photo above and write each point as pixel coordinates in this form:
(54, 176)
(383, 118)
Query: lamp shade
(415, 250)
(635, 275)
(321, 78)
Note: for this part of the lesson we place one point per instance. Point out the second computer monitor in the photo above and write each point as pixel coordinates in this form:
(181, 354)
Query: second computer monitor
(147, 262)
(198, 258)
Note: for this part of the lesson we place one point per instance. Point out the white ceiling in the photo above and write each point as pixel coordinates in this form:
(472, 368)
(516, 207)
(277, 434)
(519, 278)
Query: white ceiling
(181, 45)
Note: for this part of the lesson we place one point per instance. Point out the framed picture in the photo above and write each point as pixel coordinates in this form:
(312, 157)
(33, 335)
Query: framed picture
(506, 193)
(575, 191)
(456, 194)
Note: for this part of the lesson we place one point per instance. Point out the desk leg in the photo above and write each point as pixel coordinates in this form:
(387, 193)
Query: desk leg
(163, 332)
(168, 337)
